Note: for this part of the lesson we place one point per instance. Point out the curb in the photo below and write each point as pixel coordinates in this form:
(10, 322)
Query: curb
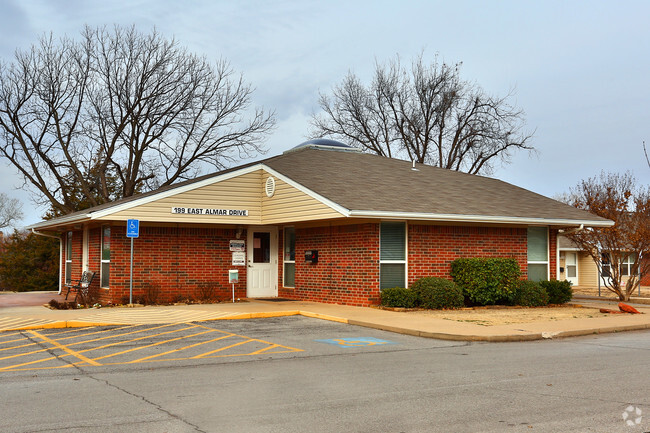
(501, 338)
(633, 300)
(374, 325)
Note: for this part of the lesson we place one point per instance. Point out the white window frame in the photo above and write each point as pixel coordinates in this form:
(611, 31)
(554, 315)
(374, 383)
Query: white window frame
(68, 258)
(85, 249)
(285, 262)
(548, 252)
(406, 252)
(627, 264)
(102, 260)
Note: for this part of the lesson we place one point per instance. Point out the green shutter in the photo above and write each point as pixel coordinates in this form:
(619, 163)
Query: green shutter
(537, 272)
(289, 275)
(289, 243)
(106, 243)
(537, 244)
(393, 241)
(391, 275)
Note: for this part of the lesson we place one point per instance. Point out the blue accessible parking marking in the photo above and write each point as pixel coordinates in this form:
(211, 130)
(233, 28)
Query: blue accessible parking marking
(356, 341)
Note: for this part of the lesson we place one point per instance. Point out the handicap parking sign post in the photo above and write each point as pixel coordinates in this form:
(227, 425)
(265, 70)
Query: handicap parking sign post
(132, 231)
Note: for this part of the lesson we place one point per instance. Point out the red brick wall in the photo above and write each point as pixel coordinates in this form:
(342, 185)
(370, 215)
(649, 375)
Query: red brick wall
(645, 270)
(431, 249)
(179, 261)
(552, 253)
(347, 271)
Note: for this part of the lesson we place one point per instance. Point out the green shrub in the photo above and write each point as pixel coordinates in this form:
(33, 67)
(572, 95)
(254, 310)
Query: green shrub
(398, 297)
(486, 281)
(529, 294)
(436, 293)
(559, 292)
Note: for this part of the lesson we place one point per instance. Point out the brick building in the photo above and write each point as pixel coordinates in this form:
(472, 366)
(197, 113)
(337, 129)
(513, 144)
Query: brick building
(321, 222)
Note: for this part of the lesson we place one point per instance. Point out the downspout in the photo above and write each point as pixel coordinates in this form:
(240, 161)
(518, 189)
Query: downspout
(60, 251)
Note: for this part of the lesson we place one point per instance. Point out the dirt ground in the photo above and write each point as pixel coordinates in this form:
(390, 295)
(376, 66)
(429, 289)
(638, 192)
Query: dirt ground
(506, 315)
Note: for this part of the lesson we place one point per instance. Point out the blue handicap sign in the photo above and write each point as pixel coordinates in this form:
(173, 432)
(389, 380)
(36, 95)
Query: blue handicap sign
(356, 341)
(132, 228)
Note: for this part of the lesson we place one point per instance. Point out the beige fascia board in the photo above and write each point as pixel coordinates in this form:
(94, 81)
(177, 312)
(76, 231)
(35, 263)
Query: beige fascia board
(174, 191)
(327, 202)
(479, 218)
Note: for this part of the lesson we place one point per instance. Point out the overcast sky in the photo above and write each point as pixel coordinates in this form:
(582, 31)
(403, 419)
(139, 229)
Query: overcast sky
(580, 70)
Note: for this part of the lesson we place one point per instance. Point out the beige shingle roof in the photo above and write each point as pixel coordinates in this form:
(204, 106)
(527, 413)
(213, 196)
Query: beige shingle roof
(371, 185)
(365, 182)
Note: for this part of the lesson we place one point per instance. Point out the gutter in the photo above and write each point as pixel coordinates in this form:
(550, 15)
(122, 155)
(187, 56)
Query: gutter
(59, 221)
(479, 218)
(60, 251)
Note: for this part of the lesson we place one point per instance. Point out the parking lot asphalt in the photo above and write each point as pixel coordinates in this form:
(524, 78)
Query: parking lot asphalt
(94, 347)
(40, 317)
(296, 374)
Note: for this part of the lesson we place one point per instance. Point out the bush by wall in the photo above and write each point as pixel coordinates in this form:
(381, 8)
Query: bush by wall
(486, 281)
(559, 292)
(398, 297)
(529, 294)
(437, 293)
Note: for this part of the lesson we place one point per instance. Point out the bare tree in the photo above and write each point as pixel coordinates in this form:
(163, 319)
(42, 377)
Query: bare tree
(616, 197)
(427, 114)
(120, 112)
(645, 152)
(10, 210)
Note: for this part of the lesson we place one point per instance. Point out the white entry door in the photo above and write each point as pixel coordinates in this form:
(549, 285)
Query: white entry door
(571, 264)
(262, 260)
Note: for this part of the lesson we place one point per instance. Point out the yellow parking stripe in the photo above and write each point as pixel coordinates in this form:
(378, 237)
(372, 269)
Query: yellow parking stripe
(180, 349)
(83, 358)
(86, 350)
(264, 349)
(69, 331)
(9, 335)
(85, 334)
(58, 339)
(134, 339)
(123, 334)
(151, 345)
(18, 347)
(24, 354)
(64, 348)
(11, 341)
(222, 349)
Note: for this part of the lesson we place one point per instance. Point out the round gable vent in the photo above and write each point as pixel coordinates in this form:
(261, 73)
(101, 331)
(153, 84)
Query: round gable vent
(270, 186)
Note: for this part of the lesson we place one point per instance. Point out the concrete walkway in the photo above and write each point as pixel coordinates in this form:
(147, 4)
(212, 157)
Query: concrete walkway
(34, 317)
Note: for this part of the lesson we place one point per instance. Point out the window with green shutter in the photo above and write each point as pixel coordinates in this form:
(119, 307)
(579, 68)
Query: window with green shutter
(392, 255)
(106, 256)
(68, 258)
(537, 253)
(289, 257)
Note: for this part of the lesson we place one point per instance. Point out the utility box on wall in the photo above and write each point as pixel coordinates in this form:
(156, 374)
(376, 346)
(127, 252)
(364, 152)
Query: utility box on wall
(311, 256)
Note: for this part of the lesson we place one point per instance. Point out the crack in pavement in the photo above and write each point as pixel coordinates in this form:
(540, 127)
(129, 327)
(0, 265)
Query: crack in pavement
(143, 398)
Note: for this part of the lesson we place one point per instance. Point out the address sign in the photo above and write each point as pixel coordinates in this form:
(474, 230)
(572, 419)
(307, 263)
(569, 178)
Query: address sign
(209, 211)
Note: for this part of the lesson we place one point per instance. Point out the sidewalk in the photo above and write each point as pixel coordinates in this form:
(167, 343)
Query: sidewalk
(35, 317)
